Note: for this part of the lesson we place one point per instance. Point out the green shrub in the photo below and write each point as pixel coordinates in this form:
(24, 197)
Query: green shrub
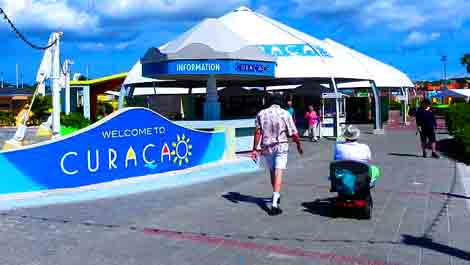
(458, 124)
(40, 109)
(7, 119)
(74, 120)
(395, 105)
(440, 109)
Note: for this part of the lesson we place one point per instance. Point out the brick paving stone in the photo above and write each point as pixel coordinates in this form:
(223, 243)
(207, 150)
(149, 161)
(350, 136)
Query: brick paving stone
(403, 206)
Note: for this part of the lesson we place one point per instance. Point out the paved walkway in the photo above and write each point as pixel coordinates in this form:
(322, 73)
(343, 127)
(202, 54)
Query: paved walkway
(420, 217)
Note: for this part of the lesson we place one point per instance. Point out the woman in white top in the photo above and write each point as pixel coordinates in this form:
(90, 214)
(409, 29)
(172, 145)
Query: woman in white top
(351, 149)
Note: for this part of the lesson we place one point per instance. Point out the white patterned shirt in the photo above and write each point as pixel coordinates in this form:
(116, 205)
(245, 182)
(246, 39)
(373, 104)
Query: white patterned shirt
(276, 125)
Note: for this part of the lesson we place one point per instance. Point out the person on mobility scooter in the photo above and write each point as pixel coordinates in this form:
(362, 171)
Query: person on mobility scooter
(352, 176)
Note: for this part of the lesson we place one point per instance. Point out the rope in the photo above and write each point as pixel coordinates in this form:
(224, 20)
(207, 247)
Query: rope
(21, 36)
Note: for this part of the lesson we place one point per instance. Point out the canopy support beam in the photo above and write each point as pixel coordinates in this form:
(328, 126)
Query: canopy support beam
(406, 100)
(122, 95)
(378, 128)
(56, 87)
(212, 104)
(337, 110)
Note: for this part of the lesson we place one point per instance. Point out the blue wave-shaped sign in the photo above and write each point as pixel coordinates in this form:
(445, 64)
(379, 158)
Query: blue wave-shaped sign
(129, 143)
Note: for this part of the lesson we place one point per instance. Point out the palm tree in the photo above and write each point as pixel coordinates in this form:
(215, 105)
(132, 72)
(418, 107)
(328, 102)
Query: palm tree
(465, 61)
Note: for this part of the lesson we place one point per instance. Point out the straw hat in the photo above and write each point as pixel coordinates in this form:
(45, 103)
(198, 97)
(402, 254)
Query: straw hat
(351, 133)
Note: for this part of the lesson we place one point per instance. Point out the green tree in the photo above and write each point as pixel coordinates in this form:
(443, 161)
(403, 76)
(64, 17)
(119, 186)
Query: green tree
(465, 61)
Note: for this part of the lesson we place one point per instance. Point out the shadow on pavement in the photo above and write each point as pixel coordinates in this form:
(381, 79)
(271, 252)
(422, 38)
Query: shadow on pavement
(320, 207)
(323, 207)
(438, 247)
(236, 197)
(455, 195)
(403, 155)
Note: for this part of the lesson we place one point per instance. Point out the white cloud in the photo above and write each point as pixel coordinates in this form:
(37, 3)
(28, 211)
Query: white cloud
(50, 15)
(418, 38)
(125, 9)
(265, 10)
(397, 15)
(100, 46)
(328, 7)
(92, 46)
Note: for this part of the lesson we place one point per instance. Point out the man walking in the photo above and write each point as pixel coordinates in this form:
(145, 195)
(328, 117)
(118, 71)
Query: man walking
(426, 123)
(273, 127)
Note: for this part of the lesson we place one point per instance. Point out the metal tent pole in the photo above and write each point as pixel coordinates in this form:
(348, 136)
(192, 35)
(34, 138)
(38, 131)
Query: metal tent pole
(337, 127)
(122, 94)
(378, 119)
(56, 85)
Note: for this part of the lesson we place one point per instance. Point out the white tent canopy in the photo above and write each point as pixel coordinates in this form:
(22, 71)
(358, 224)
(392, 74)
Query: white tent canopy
(299, 55)
(464, 92)
(384, 75)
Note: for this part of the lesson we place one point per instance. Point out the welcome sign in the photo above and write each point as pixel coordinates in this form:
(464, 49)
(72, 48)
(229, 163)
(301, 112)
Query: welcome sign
(132, 142)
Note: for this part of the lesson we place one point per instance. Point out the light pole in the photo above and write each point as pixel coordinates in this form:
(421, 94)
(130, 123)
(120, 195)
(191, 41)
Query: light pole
(444, 62)
(2, 79)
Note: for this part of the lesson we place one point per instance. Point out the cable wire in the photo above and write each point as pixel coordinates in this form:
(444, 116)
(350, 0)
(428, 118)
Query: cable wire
(21, 36)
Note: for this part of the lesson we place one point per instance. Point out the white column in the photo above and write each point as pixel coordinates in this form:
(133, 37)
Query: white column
(86, 102)
(407, 101)
(122, 95)
(212, 105)
(337, 110)
(378, 119)
(67, 87)
(56, 85)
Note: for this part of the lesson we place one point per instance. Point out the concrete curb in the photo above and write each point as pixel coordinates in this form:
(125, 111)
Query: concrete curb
(129, 186)
(463, 173)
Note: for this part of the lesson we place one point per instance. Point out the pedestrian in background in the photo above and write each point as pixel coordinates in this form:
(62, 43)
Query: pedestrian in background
(426, 124)
(312, 119)
(273, 127)
(291, 109)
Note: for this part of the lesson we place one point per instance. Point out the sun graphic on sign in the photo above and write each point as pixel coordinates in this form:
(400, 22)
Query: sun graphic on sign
(181, 150)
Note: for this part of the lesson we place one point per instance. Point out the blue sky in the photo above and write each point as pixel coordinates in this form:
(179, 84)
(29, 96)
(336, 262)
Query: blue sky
(111, 35)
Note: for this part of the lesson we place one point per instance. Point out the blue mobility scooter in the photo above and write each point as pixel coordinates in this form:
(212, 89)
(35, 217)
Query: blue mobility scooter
(353, 182)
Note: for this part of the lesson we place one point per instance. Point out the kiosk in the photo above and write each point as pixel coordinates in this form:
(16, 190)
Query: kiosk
(328, 113)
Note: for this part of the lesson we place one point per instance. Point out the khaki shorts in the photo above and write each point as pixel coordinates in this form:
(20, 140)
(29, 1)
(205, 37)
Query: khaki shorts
(276, 160)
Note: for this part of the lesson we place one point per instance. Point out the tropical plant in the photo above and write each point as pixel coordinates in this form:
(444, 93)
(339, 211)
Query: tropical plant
(458, 124)
(74, 120)
(465, 61)
(40, 109)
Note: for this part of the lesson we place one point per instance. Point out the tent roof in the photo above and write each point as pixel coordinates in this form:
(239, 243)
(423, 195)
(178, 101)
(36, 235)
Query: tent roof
(384, 75)
(460, 93)
(135, 76)
(464, 92)
(299, 55)
(209, 32)
(209, 39)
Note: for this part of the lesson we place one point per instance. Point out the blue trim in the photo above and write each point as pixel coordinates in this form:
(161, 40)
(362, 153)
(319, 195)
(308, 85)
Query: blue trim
(209, 67)
(162, 181)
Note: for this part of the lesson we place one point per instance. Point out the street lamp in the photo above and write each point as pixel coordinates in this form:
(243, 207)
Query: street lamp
(2, 79)
(444, 62)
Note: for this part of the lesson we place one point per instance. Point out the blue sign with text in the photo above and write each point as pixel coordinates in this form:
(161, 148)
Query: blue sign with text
(209, 67)
(284, 50)
(132, 142)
